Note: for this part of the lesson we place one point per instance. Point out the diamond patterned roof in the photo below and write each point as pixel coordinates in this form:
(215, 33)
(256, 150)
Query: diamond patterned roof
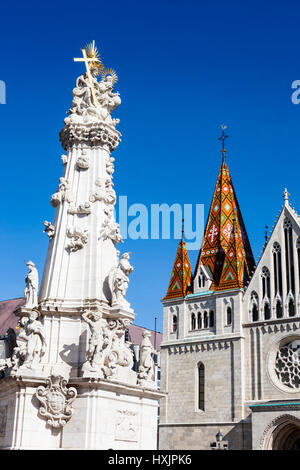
(181, 275)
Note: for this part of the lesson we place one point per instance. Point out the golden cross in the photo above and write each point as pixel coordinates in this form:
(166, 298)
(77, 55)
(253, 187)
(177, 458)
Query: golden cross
(86, 60)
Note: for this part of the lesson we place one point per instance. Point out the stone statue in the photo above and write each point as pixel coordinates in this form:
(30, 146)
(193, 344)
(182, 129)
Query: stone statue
(95, 322)
(78, 238)
(32, 284)
(118, 280)
(146, 363)
(83, 109)
(31, 342)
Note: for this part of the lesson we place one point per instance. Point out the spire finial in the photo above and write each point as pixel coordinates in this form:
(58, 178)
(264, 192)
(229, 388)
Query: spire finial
(182, 229)
(222, 138)
(286, 196)
(266, 235)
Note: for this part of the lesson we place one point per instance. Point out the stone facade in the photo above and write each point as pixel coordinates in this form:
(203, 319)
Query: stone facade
(248, 352)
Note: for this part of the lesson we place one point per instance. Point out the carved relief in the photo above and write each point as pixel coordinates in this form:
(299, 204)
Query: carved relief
(79, 238)
(56, 400)
(107, 350)
(49, 229)
(63, 193)
(126, 428)
(64, 159)
(83, 161)
(82, 209)
(104, 192)
(110, 166)
(110, 228)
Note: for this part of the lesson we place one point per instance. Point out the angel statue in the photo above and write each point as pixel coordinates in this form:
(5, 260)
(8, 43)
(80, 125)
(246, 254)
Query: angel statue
(118, 280)
(32, 284)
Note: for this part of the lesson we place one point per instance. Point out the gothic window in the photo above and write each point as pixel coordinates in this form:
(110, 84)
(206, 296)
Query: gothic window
(267, 311)
(199, 321)
(201, 280)
(205, 320)
(287, 365)
(174, 325)
(289, 256)
(254, 306)
(279, 312)
(291, 308)
(228, 316)
(277, 269)
(193, 322)
(265, 274)
(201, 386)
(211, 319)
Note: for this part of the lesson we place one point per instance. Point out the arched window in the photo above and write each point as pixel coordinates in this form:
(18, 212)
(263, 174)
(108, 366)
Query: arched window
(279, 311)
(254, 306)
(289, 256)
(201, 386)
(205, 320)
(228, 316)
(201, 280)
(265, 274)
(211, 319)
(199, 321)
(174, 326)
(193, 321)
(267, 311)
(277, 269)
(291, 308)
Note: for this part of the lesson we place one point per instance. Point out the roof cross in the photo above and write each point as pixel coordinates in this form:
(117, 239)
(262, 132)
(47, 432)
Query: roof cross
(222, 138)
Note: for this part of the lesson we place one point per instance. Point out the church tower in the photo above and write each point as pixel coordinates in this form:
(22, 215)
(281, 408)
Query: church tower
(231, 340)
(70, 382)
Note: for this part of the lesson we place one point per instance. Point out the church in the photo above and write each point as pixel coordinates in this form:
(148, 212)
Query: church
(230, 354)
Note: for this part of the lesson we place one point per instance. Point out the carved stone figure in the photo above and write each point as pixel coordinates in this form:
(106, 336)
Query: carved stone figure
(83, 161)
(110, 166)
(94, 355)
(63, 193)
(111, 230)
(31, 342)
(100, 193)
(49, 229)
(83, 109)
(56, 400)
(32, 284)
(146, 363)
(115, 351)
(79, 238)
(110, 196)
(118, 280)
(82, 209)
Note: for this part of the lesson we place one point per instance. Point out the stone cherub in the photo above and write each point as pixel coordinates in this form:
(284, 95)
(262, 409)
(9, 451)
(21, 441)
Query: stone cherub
(32, 284)
(49, 229)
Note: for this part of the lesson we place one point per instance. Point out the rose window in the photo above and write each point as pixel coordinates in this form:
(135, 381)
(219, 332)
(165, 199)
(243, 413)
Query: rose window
(287, 364)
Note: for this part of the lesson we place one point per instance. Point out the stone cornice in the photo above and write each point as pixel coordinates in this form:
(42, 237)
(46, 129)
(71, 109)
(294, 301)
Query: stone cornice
(91, 134)
(258, 407)
(272, 326)
(200, 344)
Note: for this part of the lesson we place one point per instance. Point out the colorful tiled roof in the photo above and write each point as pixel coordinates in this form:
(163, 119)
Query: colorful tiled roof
(225, 247)
(181, 275)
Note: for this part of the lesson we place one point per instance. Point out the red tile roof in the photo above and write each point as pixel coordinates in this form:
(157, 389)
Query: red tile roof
(7, 317)
(135, 336)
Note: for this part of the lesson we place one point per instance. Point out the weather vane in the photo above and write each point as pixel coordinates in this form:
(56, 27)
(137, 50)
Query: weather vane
(91, 59)
(222, 138)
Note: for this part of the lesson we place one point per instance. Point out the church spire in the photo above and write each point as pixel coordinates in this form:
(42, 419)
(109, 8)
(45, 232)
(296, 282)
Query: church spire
(225, 248)
(181, 273)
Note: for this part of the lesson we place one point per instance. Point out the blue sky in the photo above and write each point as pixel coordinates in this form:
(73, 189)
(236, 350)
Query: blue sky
(184, 68)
